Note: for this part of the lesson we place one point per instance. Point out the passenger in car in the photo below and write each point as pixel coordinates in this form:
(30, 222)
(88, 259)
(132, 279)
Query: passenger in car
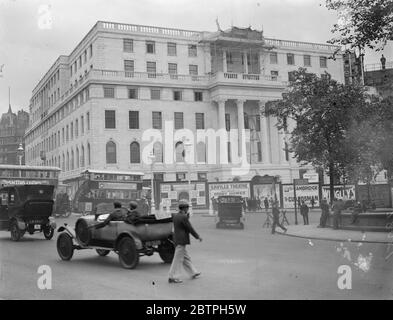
(119, 214)
(133, 214)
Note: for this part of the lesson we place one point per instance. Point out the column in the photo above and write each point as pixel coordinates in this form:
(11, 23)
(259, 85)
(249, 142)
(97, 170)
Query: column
(240, 124)
(223, 147)
(221, 114)
(265, 135)
(224, 61)
(245, 59)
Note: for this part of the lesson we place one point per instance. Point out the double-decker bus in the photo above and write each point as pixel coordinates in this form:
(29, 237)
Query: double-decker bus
(101, 187)
(24, 175)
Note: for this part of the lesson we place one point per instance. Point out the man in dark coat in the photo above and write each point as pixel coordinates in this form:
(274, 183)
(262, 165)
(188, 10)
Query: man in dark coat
(304, 212)
(119, 214)
(133, 213)
(325, 213)
(181, 238)
(337, 208)
(276, 218)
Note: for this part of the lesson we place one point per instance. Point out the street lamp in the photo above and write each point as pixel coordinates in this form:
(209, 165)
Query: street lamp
(188, 146)
(152, 157)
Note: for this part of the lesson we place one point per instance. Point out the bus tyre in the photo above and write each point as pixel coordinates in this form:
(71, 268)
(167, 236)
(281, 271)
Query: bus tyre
(65, 246)
(166, 250)
(16, 233)
(128, 255)
(48, 232)
(102, 252)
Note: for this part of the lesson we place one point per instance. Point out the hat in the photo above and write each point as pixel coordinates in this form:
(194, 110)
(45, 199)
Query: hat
(183, 204)
(133, 205)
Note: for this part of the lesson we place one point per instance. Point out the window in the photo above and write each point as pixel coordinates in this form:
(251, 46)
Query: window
(229, 152)
(72, 130)
(88, 155)
(155, 94)
(82, 125)
(273, 58)
(132, 93)
(150, 47)
(76, 128)
(199, 120)
(80, 62)
(180, 153)
(228, 122)
(128, 45)
(84, 57)
(258, 123)
(323, 62)
(181, 176)
(135, 156)
(198, 96)
(192, 50)
(193, 69)
(151, 69)
(171, 49)
(129, 68)
(259, 147)
(177, 95)
(111, 152)
(109, 92)
(67, 133)
(88, 120)
(91, 51)
(179, 120)
(157, 120)
(246, 122)
(274, 75)
(110, 119)
(307, 60)
(172, 70)
(286, 152)
(133, 119)
(290, 58)
(202, 176)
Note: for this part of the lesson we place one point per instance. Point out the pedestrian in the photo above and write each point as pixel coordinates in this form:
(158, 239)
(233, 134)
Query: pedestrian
(312, 202)
(304, 212)
(276, 218)
(336, 213)
(355, 212)
(266, 203)
(214, 204)
(325, 213)
(181, 238)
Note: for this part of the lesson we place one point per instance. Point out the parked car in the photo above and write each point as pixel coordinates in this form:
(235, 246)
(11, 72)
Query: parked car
(27, 208)
(144, 237)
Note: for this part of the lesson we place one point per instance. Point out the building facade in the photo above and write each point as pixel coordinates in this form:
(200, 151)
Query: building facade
(96, 107)
(380, 76)
(12, 131)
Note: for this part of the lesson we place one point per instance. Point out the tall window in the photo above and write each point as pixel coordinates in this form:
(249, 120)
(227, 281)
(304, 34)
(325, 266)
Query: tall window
(192, 50)
(274, 75)
(286, 151)
(76, 128)
(109, 92)
(135, 156)
(132, 93)
(151, 69)
(150, 47)
(72, 160)
(82, 156)
(228, 122)
(199, 120)
(172, 70)
(110, 152)
(290, 58)
(128, 45)
(246, 122)
(77, 158)
(198, 96)
(171, 49)
(229, 152)
(133, 119)
(179, 121)
(157, 120)
(88, 120)
(258, 123)
(129, 68)
(307, 60)
(323, 62)
(180, 154)
(259, 147)
(273, 58)
(82, 125)
(193, 68)
(90, 50)
(88, 154)
(110, 119)
(155, 94)
(177, 95)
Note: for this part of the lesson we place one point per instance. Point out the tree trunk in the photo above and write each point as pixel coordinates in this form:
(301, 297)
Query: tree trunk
(331, 182)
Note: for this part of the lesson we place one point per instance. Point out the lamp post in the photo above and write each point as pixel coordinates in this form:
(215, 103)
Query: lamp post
(152, 203)
(188, 146)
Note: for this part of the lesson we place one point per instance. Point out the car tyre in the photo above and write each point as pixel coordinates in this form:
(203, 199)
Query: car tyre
(166, 250)
(16, 233)
(128, 255)
(48, 232)
(65, 246)
(102, 252)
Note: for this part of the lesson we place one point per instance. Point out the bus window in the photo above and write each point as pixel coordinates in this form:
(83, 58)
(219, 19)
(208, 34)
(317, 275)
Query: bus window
(11, 196)
(4, 198)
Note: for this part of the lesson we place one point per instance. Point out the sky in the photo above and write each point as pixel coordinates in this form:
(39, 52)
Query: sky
(33, 33)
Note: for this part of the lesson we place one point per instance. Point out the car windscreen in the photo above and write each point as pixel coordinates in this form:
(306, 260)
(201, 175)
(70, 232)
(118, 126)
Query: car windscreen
(36, 192)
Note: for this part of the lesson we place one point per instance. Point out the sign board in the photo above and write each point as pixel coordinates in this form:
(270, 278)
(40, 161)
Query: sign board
(229, 189)
(300, 181)
(339, 192)
(311, 177)
(118, 186)
(303, 192)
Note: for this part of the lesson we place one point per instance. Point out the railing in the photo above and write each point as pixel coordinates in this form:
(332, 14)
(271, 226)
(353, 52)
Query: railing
(239, 77)
(378, 66)
(300, 44)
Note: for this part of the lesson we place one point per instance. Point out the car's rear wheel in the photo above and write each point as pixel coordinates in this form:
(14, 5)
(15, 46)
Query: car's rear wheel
(102, 252)
(65, 246)
(166, 250)
(128, 255)
(48, 232)
(16, 233)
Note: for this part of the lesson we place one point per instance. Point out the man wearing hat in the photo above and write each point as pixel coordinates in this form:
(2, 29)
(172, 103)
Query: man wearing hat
(181, 237)
(133, 214)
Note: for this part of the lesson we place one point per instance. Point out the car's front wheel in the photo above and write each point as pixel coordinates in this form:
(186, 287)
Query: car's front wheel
(48, 232)
(128, 255)
(102, 252)
(16, 233)
(65, 246)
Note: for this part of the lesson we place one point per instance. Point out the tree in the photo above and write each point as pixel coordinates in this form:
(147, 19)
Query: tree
(322, 110)
(362, 23)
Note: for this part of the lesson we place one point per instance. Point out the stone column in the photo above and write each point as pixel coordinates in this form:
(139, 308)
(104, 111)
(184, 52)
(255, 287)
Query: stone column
(265, 135)
(223, 147)
(224, 60)
(245, 59)
(240, 124)
(221, 114)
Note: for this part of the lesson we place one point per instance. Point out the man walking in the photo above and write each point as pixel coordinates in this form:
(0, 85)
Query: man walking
(276, 218)
(181, 237)
(304, 212)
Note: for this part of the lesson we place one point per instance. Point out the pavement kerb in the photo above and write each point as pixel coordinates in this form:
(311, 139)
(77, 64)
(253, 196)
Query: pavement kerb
(331, 239)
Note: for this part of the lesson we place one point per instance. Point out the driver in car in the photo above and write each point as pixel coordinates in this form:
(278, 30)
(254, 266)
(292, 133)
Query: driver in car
(119, 214)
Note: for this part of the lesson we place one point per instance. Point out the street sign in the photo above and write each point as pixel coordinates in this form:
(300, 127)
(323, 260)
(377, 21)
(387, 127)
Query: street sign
(298, 182)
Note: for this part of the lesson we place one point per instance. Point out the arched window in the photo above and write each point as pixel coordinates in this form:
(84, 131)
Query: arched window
(68, 162)
(180, 153)
(77, 158)
(135, 156)
(82, 156)
(63, 163)
(111, 152)
(158, 152)
(72, 160)
(201, 152)
(88, 155)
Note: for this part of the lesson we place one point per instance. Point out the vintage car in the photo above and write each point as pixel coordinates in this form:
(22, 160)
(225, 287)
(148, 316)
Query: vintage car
(143, 237)
(27, 208)
(230, 212)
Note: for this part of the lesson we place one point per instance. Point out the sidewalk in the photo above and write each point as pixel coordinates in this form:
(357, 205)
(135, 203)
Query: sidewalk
(312, 232)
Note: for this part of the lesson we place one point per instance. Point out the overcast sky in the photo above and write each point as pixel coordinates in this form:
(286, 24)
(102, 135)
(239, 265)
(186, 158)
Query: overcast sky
(29, 45)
